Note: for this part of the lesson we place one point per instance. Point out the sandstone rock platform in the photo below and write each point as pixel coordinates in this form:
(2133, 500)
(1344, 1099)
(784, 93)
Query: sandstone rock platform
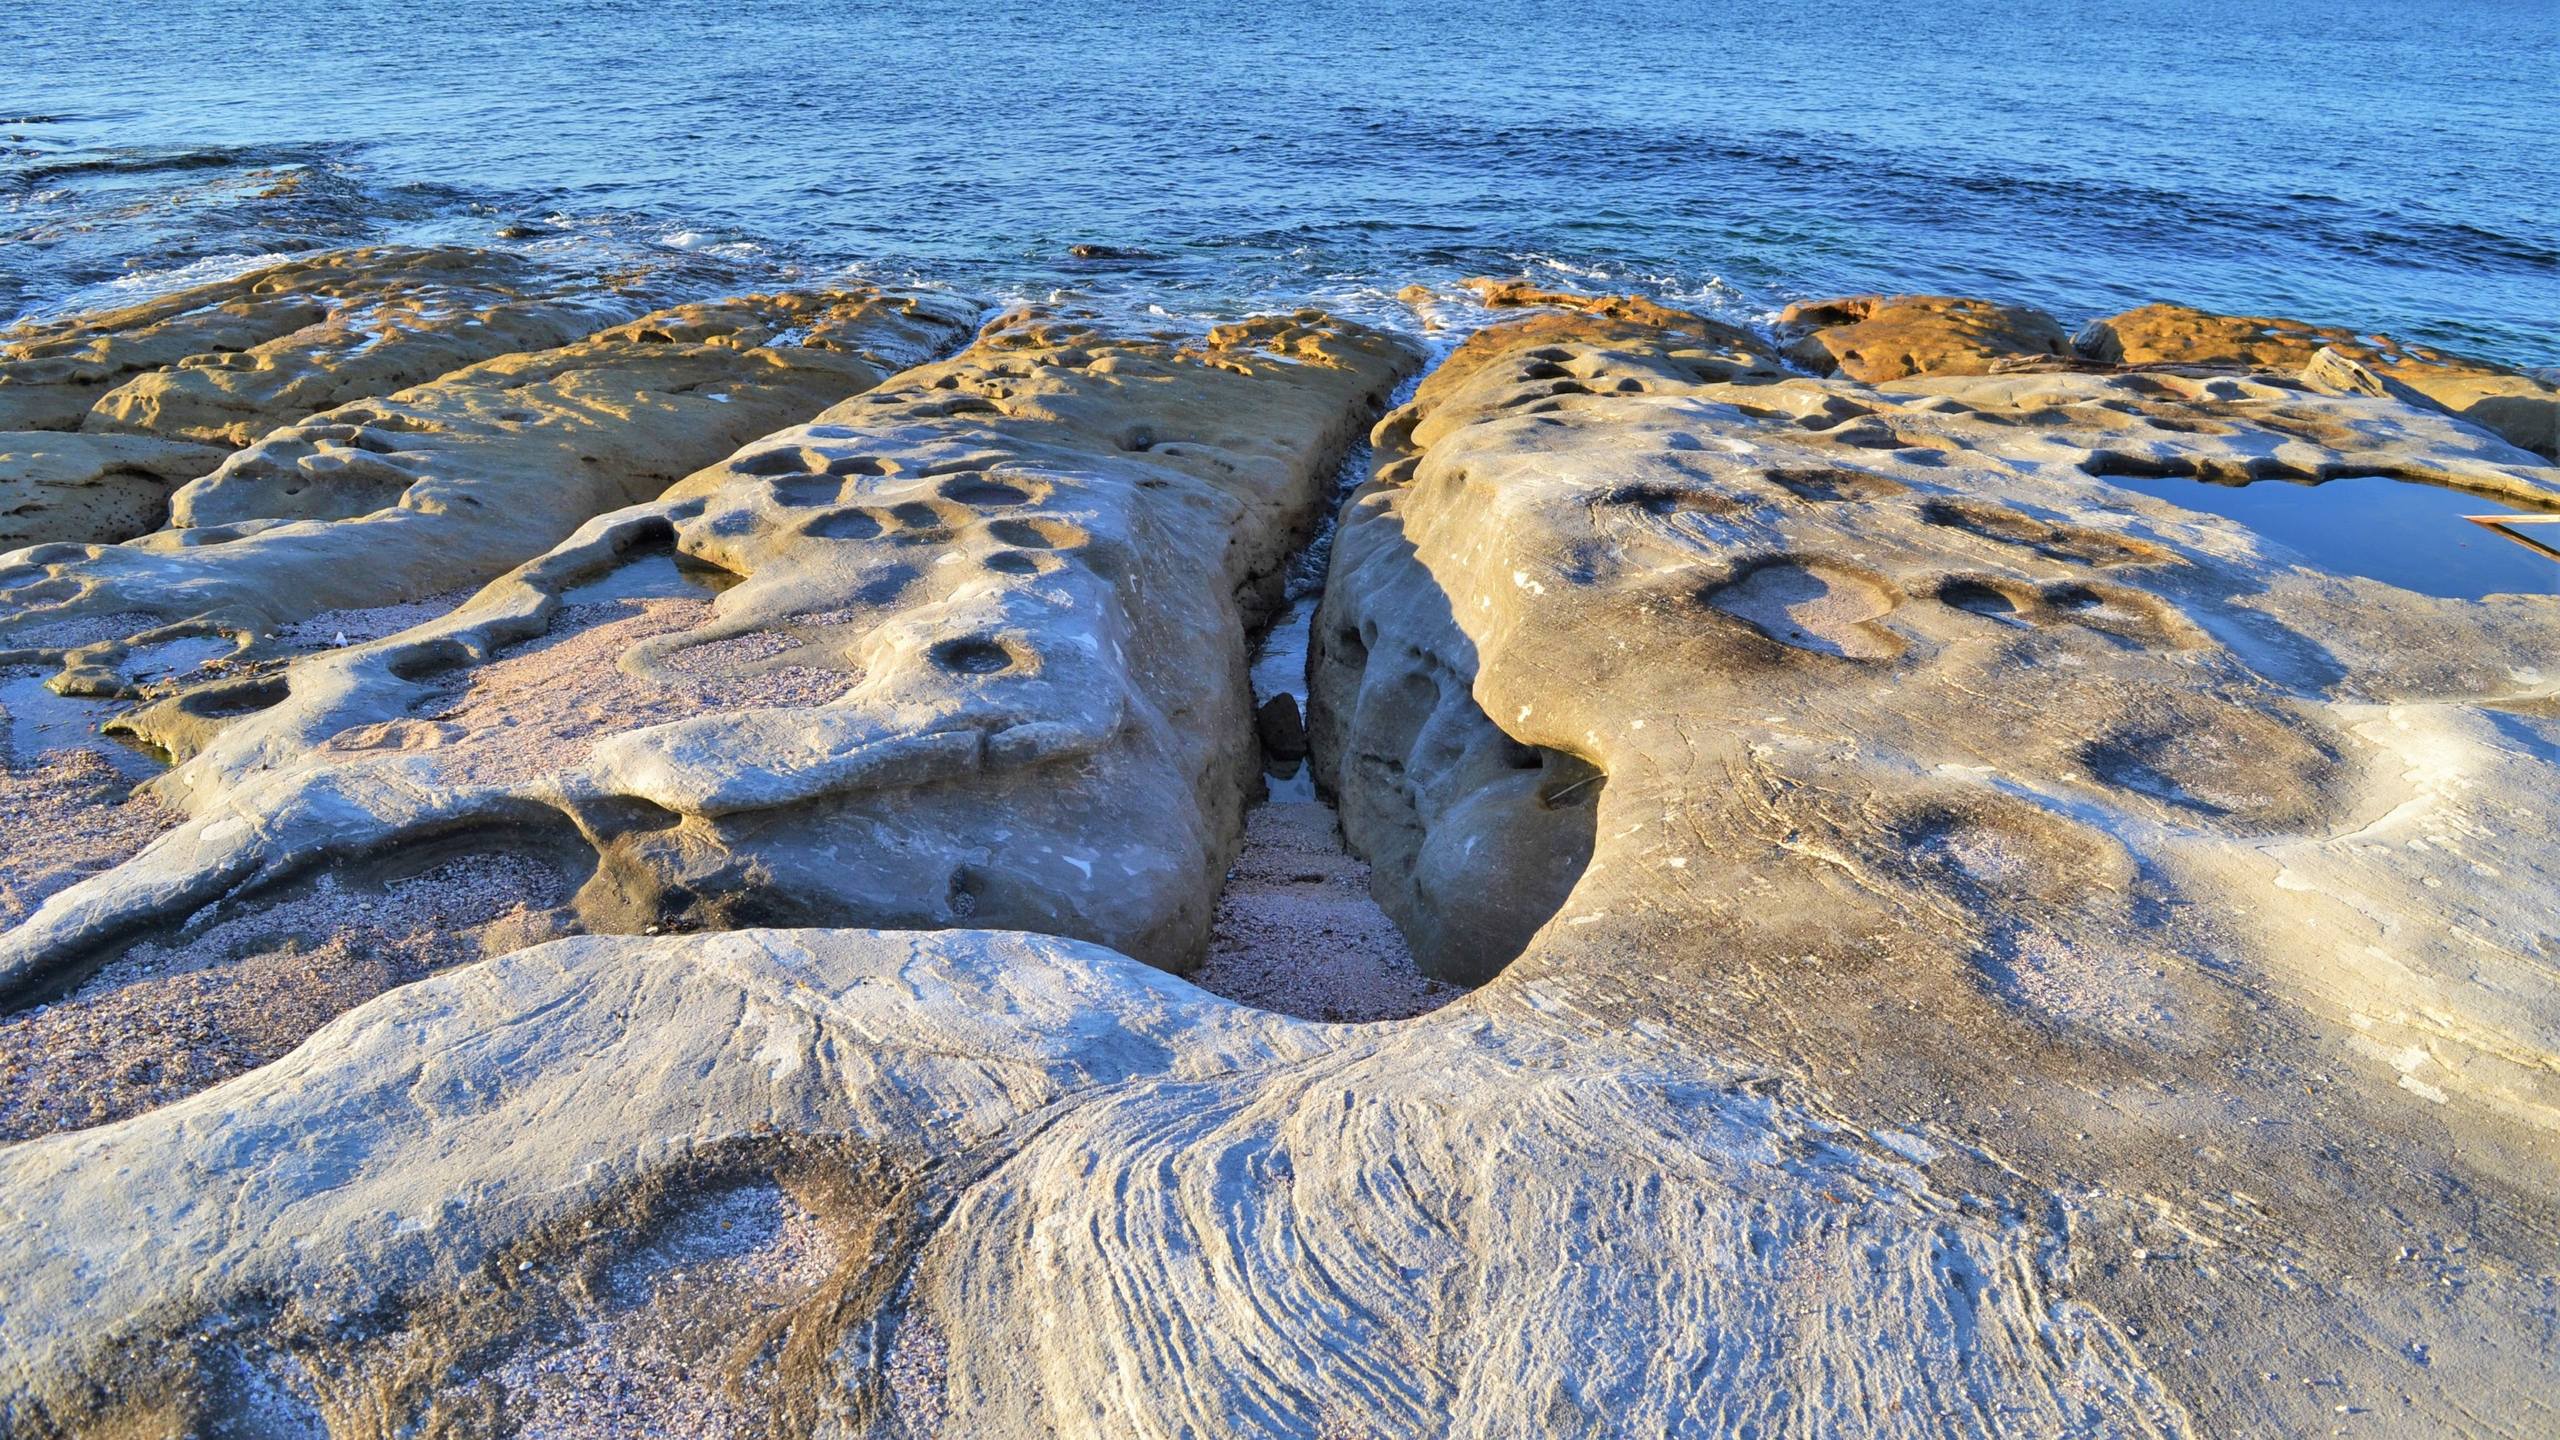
(1957, 936)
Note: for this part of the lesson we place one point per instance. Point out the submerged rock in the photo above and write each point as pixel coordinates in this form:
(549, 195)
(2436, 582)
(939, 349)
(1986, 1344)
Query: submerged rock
(1891, 337)
(1282, 730)
(2513, 404)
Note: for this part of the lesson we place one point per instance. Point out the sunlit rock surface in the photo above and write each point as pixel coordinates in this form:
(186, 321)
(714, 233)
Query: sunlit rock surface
(218, 364)
(87, 488)
(2523, 408)
(446, 310)
(52, 372)
(450, 483)
(1876, 338)
(967, 647)
(1967, 941)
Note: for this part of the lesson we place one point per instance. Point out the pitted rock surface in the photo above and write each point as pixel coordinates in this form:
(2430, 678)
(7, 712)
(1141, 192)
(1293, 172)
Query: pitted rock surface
(1876, 338)
(449, 483)
(60, 485)
(2192, 903)
(2522, 408)
(981, 659)
(453, 308)
(1965, 944)
(53, 371)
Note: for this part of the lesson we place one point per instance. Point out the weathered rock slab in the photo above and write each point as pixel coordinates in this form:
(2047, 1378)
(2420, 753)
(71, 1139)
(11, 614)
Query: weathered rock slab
(1876, 338)
(65, 486)
(450, 483)
(2518, 406)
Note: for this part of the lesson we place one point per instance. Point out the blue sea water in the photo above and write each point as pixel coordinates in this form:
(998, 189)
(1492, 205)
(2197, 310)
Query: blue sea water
(2369, 162)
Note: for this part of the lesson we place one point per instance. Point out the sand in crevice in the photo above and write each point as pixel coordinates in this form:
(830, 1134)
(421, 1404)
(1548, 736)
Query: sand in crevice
(67, 804)
(1297, 931)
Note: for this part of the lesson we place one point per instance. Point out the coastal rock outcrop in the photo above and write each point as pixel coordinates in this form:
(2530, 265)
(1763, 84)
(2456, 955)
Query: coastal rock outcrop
(2002, 805)
(1875, 338)
(1737, 346)
(227, 359)
(390, 340)
(2521, 407)
(167, 386)
(1966, 943)
(967, 648)
(58, 485)
(388, 500)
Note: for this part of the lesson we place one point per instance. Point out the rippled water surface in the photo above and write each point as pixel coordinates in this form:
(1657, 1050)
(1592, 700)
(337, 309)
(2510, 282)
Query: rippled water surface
(2378, 164)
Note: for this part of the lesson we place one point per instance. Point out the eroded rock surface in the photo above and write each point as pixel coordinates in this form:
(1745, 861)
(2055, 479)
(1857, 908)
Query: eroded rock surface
(91, 489)
(452, 482)
(161, 382)
(443, 310)
(2522, 408)
(2128, 869)
(1115, 1205)
(1968, 944)
(976, 652)
(52, 372)
(1892, 337)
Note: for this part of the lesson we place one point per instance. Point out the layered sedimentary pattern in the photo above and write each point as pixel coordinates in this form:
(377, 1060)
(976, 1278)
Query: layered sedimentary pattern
(1964, 943)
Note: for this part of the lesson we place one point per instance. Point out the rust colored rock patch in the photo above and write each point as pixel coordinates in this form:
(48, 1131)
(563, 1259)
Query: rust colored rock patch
(2520, 408)
(1875, 338)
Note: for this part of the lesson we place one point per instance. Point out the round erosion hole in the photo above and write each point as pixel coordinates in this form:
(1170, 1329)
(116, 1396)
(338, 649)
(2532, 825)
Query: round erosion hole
(972, 655)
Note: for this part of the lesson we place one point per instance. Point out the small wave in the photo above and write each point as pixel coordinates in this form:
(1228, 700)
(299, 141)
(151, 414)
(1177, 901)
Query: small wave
(140, 285)
(132, 162)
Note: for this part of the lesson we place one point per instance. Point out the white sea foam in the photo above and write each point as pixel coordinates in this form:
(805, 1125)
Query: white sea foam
(139, 285)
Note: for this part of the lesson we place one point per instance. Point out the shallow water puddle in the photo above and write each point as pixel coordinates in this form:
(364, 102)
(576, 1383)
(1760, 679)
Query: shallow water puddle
(656, 575)
(35, 722)
(1280, 668)
(2396, 531)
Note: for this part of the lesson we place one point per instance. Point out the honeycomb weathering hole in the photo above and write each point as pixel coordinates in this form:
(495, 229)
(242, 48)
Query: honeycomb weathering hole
(844, 525)
(1812, 605)
(972, 655)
